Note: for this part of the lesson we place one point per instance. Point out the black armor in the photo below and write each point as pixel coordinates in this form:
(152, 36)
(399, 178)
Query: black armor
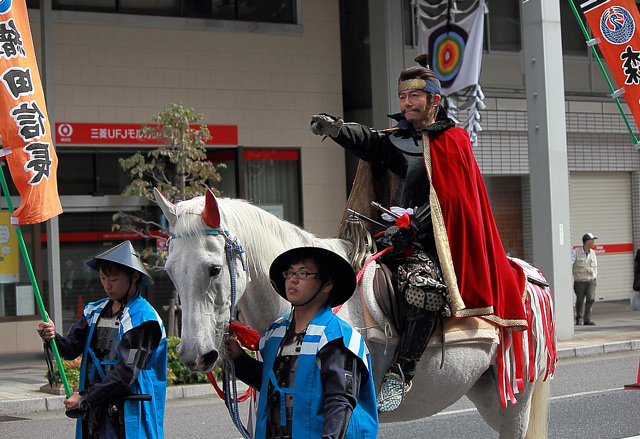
(403, 181)
(284, 368)
(104, 345)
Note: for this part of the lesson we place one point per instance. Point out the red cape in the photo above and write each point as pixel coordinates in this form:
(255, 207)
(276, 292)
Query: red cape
(486, 278)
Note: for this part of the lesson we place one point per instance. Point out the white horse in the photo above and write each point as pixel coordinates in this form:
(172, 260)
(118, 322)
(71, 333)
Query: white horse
(208, 269)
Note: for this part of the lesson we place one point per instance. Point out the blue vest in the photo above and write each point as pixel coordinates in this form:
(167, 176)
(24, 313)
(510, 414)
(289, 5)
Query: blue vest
(308, 400)
(143, 419)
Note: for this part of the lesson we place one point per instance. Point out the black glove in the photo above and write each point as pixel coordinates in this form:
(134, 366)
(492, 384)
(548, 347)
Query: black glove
(399, 237)
(324, 124)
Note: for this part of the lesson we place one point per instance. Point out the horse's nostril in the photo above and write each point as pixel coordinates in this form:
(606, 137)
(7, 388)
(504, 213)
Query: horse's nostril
(210, 357)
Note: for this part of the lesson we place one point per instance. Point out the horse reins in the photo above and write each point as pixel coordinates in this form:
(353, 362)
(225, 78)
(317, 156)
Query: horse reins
(232, 249)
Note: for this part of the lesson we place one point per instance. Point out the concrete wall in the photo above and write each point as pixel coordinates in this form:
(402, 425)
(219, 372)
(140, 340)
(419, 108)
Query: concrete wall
(20, 336)
(266, 79)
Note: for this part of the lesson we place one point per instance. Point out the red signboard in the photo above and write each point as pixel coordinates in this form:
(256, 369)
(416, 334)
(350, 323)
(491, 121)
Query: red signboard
(71, 133)
(611, 248)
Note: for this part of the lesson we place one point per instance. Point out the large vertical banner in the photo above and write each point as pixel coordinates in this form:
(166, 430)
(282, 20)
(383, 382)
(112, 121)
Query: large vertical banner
(614, 26)
(24, 125)
(454, 44)
(452, 34)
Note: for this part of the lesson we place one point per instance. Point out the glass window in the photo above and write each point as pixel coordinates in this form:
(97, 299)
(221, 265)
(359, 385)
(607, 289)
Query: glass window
(269, 11)
(504, 25)
(76, 173)
(228, 176)
(85, 5)
(91, 173)
(148, 7)
(269, 178)
(573, 40)
(407, 22)
(272, 182)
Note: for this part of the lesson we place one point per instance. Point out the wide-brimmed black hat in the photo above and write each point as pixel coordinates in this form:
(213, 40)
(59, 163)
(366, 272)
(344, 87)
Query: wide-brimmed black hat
(338, 269)
(123, 254)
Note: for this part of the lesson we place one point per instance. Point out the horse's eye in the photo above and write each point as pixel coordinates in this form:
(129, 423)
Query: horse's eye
(214, 270)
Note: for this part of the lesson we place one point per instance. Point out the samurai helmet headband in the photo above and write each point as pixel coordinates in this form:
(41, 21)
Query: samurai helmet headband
(419, 77)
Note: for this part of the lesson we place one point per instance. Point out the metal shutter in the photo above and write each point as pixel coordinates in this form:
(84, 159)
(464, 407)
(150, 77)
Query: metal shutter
(601, 204)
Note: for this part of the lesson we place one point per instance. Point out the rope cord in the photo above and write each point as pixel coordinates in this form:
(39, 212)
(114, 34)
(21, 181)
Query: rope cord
(233, 248)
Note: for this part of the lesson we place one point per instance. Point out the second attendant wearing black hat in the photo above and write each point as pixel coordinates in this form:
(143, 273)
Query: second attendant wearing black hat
(315, 378)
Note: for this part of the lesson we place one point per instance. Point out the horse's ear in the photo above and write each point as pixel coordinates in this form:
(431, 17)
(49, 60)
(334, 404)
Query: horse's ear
(211, 213)
(168, 208)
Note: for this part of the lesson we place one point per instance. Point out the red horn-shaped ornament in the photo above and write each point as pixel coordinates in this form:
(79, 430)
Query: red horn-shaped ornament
(211, 214)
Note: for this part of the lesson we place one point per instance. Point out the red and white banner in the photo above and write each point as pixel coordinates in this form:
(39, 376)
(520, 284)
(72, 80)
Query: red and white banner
(24, 124)
(615, 24)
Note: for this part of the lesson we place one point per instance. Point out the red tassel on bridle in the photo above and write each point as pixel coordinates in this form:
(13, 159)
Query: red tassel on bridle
(248, 338)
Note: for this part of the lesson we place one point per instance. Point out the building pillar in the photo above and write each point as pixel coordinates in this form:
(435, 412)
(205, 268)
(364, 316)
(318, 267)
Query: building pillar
(53, 235)
(548, 154)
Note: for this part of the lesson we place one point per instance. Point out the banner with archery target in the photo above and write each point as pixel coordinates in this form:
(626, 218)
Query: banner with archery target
(452, 34)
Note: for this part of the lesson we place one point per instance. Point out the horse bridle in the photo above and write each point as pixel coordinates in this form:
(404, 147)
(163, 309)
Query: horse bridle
(233, 249)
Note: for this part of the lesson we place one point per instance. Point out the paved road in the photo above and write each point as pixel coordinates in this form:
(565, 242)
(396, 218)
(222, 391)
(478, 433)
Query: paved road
(587, 401)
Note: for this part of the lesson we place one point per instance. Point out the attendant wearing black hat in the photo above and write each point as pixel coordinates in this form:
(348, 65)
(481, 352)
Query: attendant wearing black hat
(315, 377)
(585, 273)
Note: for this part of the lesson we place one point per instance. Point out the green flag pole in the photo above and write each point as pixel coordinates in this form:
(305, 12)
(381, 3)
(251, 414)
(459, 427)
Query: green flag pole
(604, 73)
(34, 283)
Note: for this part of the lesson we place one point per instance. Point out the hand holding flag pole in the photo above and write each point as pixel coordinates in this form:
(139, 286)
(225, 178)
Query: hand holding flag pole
(593, 7)
(34, 283)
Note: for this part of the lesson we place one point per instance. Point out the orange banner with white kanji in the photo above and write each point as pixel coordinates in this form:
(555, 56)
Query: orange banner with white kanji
(614, 24)
(24, 124)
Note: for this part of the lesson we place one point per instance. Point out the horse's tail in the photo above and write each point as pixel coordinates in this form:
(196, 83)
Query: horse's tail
(539, 411)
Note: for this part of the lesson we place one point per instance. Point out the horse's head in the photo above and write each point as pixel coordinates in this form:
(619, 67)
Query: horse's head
(206, 268)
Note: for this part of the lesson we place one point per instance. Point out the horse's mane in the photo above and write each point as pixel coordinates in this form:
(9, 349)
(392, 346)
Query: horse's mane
(263, 235)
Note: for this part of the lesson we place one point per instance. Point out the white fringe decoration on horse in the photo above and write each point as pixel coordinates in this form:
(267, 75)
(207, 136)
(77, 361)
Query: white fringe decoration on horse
(536, 357)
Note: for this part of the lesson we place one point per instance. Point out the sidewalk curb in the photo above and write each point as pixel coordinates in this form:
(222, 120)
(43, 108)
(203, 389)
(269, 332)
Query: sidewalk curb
(53, 403)
(598, 349)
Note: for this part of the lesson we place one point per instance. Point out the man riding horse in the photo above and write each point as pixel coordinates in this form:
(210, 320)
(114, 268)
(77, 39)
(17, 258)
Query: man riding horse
(424, 169)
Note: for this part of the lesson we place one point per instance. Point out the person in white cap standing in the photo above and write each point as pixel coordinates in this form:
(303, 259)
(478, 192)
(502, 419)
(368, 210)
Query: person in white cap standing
(585, 273)
(124, 354)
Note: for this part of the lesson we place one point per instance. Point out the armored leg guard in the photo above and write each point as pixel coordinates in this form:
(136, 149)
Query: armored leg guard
(425, 300)
(419, 326)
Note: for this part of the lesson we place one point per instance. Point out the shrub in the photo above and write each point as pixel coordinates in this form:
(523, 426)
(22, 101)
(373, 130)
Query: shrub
(71, 370)
(179, 373)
